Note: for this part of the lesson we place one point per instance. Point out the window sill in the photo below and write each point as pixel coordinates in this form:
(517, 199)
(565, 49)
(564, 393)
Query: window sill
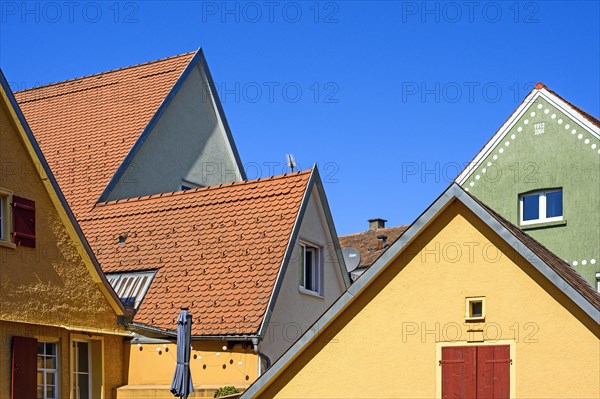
(311, 293)
(543, 225)
(474, 319)
(7, 244)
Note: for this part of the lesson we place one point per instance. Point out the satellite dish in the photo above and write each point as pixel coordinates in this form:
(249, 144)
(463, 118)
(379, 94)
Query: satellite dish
(351, 258)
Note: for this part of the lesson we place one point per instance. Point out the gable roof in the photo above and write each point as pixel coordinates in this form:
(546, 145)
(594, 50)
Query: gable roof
(88, 127)
(217, 250)
(366, 243)
(554, 269)
(58, 199)
(587, 121)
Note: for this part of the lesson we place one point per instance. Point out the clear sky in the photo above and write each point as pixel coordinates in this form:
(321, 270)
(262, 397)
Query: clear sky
(388, 98)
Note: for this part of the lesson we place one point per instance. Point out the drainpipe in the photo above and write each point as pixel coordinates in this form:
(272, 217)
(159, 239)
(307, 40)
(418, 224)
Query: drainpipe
(261, 357)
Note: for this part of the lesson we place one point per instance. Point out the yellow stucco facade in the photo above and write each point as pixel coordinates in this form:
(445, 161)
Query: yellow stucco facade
(386, 343)
(151, 368)
(51, 292)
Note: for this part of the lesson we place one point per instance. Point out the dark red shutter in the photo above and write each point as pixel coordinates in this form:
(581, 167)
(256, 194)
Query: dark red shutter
(459, 377)
(23, 221)
(24, 368)
(493, 372)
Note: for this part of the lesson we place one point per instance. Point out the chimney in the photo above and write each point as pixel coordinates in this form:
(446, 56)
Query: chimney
(381, 242)
(375, 224)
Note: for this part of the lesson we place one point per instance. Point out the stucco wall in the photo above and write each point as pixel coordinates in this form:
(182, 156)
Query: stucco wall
(148, 366)
(294, 311)
(385, 343)
(113, 356)
(48, 284)
(555, 158)
(188, 142)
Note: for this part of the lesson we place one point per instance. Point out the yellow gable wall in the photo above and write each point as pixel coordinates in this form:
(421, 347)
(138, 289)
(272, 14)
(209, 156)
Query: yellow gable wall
(384, 344)
(48, 285)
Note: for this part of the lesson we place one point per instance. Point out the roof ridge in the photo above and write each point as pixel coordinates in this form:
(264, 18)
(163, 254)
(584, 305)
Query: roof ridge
(202, 189)
(104, 72)
(371, 231)
(583, 112)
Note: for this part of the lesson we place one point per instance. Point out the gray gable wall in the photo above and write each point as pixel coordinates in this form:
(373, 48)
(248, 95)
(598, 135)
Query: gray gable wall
(189, 142)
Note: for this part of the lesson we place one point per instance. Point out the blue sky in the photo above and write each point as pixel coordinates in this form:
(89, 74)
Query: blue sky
(368, 91)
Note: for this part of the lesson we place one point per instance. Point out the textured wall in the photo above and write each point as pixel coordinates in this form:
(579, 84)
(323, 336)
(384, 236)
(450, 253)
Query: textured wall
(385, 344)
(49, 284)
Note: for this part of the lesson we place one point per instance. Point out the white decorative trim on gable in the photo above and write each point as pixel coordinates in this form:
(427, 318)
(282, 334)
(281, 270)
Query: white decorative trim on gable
(496, 146)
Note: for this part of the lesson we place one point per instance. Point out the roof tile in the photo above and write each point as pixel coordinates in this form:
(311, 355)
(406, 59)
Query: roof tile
(208, 256)
(86, 126)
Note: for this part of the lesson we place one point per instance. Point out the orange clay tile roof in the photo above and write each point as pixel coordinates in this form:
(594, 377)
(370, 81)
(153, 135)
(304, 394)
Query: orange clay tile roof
(86, 126)
(217, 250)
(366, 243)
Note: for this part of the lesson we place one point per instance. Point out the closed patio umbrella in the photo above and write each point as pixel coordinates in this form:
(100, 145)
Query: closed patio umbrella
(182, 380)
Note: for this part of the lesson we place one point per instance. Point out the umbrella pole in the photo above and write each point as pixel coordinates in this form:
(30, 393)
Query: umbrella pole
(186, 374)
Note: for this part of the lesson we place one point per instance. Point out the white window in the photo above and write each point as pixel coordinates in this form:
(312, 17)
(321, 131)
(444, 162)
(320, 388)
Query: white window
(541, 206)
(5, 216)
(311, 273)
(47, 370)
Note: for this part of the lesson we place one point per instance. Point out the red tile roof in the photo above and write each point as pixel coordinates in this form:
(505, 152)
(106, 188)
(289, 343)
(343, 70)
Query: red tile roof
(366, 243)
(217, 250)
(86, 126)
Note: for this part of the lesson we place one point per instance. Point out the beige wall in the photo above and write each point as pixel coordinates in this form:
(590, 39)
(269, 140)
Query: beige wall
(385, 343)
(294, 311)
(150, 367)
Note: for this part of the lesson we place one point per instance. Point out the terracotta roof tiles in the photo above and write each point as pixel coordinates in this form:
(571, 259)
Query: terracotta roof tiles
(86, 126)
(366, 243)
(217, 250)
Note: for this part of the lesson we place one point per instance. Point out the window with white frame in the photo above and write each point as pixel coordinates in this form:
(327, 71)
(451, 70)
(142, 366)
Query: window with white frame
(311, 274)
(5, 218)
(47, 370)
(541, 206)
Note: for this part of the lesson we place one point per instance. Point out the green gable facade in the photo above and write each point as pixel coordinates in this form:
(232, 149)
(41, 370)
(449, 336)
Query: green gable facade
(547, 149)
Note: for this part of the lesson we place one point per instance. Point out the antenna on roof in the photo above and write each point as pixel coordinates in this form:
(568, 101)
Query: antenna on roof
(291, 162)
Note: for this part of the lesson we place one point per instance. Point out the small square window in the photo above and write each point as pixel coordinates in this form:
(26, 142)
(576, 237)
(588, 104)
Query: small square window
(475, 309)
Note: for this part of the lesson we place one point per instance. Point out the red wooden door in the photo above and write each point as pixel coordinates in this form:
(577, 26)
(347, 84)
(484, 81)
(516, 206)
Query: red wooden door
(476, 372)
(493, 372)
(459, 375)
(24, 368)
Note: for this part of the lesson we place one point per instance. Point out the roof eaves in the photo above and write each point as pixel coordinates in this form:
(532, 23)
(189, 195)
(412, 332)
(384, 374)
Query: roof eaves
(221, 114)
(288, 254)
(331, 225)
(150, 126)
